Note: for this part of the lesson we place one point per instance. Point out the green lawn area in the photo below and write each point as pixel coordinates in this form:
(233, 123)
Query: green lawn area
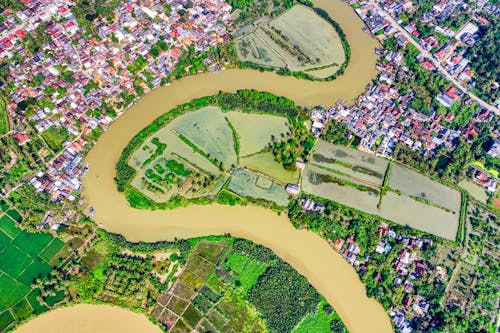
(4, 119)
(55, 138)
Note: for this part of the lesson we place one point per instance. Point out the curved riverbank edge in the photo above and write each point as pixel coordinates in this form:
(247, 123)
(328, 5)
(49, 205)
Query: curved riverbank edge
(89, 318)
(307, 252)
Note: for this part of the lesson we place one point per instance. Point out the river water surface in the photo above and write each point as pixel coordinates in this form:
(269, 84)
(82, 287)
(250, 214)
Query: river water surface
(308, 253)
(87, 318)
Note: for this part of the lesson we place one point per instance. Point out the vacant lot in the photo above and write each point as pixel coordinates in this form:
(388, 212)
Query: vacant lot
(246, 184)
(255, 131)
(412, 183)
(265, 163)
(298, 39)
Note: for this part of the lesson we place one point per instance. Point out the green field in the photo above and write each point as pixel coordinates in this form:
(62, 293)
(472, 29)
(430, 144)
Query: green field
(298, 39)
(4, 118)
(256, 130)
(319, 321)
(24, 256)
(246, 184)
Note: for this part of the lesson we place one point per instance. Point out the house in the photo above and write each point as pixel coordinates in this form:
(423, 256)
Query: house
(292, 189)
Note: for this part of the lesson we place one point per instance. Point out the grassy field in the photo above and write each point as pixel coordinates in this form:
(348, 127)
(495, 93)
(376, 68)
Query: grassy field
(476, 191)
(245, 184)
(4, 118)
(55, 138)
(298, 39)
(24, 256)
(256, 130)
(318, 322)
(412, 183)
(265, 163)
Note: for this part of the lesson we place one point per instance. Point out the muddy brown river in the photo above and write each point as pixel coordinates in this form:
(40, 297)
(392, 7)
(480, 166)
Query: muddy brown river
(87, 318)
(308, 253)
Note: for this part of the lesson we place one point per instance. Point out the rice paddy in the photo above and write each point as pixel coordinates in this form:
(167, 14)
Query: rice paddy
(298, 39)
(247, 184)
(264, 163)
(193, 156)
(255, 131)
(356, 179)
(24, 256)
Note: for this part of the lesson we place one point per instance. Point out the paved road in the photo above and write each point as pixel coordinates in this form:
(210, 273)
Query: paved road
(436, 63)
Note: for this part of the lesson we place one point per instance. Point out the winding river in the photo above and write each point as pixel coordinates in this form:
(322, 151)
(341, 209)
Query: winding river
(304, 250)
(87, 318)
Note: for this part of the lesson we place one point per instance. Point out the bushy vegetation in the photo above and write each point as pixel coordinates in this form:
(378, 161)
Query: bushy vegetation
(283, 297)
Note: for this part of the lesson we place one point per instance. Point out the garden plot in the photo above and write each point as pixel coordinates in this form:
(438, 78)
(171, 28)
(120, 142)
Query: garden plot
(265, 163)
(248, 184)
(207, 129)
(256, 130)
(350, 162)
(412, 183)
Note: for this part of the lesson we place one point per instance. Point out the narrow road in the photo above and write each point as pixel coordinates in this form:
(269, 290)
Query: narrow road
(436, 63)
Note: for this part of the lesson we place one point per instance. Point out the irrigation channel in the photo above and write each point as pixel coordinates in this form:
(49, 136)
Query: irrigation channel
(308, 253)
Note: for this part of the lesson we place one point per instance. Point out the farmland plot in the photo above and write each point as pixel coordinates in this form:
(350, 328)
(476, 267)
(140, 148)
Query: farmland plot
(265, 163)
(362, 200)
(412, 183)
(349, 161)
(475, 190)
(208, 129)
(256, 130)
(298, 39)
(248, 184)
(406, 211)
(252, 48)
(314, 36)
